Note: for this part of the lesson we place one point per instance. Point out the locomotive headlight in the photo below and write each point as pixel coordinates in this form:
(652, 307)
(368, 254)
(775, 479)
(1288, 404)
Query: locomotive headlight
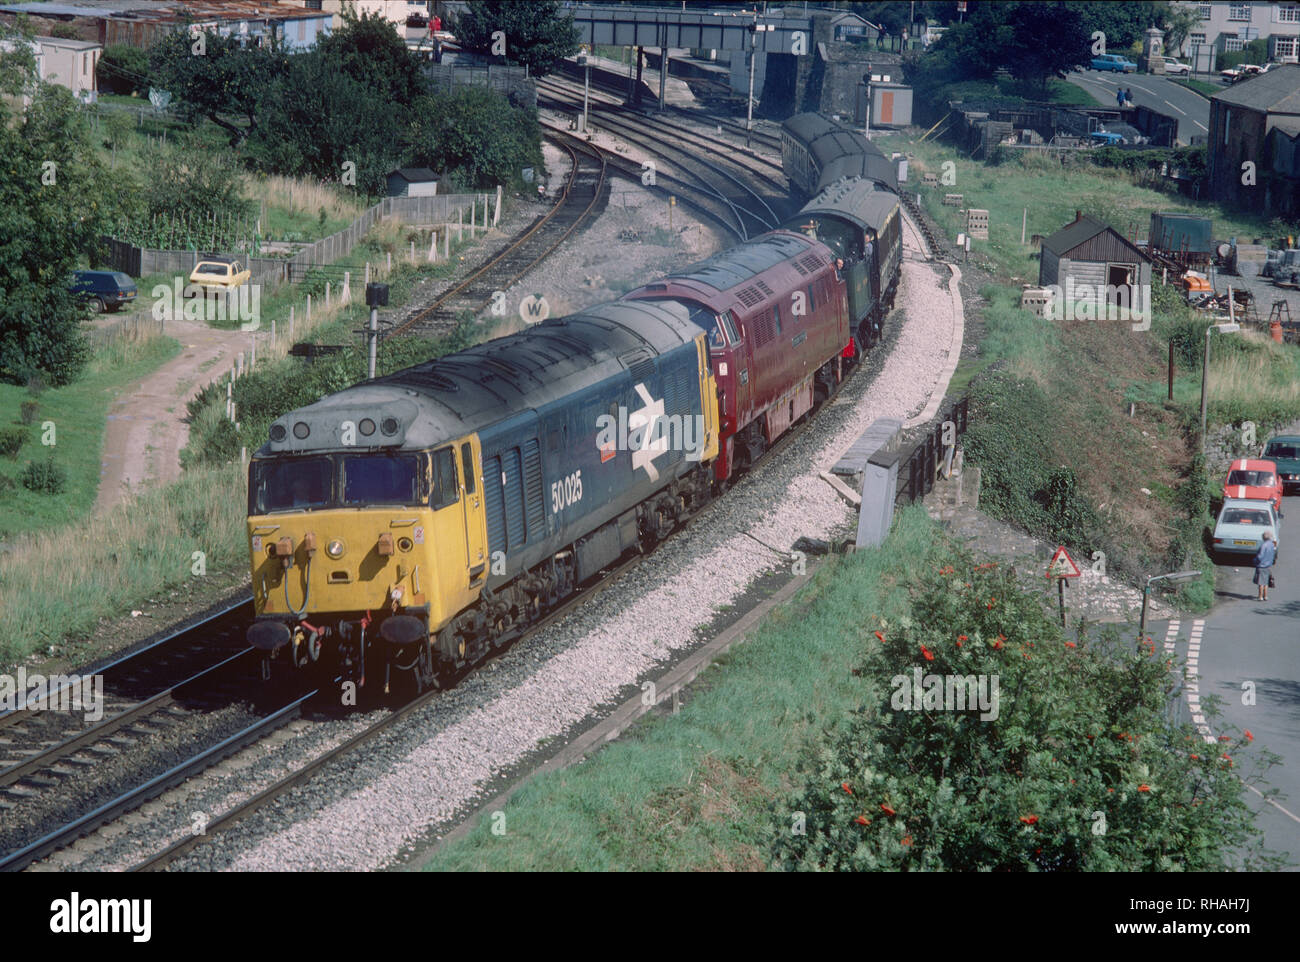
(301, 430)
(335, 549)
(278, 432)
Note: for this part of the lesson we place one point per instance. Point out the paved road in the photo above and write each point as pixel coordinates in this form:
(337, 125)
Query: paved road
(1245, 641)
(1165, 96)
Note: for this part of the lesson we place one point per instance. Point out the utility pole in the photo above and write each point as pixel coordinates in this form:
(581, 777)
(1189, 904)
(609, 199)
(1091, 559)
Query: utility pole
(753, 55)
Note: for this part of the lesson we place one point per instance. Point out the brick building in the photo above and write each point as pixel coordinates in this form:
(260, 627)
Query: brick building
(1257, 122)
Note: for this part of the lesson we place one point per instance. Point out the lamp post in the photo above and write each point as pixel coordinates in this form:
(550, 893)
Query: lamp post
(1205, 370)
(1173, 577)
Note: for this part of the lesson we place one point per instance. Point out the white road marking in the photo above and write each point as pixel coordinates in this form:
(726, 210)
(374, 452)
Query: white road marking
(1201, 125)
(1176, 107)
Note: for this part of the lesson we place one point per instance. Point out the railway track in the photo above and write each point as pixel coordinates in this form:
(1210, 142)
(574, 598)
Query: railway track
(933, 238)
(567, 94)
(60, 753)
(618, 94)
(748, 210)
(585, 194)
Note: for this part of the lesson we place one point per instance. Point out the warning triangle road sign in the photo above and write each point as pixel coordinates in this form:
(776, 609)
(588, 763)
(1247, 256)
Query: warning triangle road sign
(1062, 565)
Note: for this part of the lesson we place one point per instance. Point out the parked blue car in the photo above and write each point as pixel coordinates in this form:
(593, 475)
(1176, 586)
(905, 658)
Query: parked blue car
(1113, 61)
(103, 290)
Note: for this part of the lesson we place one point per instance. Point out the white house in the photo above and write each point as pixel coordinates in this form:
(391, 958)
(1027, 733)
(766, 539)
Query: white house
(1227, 27)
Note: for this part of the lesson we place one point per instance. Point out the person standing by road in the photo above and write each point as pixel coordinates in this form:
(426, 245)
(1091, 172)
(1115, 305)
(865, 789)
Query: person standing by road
(1264, 558)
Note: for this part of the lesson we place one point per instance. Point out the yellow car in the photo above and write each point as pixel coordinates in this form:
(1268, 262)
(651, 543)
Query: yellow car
(219, 275)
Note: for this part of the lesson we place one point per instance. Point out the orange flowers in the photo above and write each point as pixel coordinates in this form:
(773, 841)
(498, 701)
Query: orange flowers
(1144, 788)
(1249, 736)
(879, 635)
(1196, 758)
(845, 786)
(862, 820)
(1029, 819)
(997, 645)
(886, 809)
(926, 652)
(1070, 644)
(947, 570)
(906, 840)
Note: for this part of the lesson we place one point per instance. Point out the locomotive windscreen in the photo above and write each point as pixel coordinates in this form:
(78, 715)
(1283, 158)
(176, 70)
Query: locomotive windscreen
(300, 484)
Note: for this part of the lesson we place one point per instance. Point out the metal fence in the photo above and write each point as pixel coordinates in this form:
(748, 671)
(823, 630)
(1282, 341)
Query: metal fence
(918, 470)
(271, 271)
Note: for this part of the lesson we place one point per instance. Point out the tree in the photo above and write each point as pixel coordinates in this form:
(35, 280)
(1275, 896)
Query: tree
(369, 50)
(1012, 35)
(216, 77)
(319, 118)
(54, 205)
(476, 134)
(535, 34)
(1177, 22)
(1124, 24)
(123, 69)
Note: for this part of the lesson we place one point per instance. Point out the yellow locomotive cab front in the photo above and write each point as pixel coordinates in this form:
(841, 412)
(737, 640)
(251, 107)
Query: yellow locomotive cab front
(356, 547)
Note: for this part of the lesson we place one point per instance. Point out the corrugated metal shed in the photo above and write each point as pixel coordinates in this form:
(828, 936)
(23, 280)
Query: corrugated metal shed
(1087, 239)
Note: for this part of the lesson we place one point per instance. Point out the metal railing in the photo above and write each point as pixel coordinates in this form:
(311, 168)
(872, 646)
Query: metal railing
(918, 470)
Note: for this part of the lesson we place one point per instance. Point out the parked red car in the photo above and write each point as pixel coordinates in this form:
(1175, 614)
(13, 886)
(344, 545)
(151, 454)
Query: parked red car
(1254, 479)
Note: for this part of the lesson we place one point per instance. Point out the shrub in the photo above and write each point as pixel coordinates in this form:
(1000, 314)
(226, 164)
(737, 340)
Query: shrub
(45, 477)
(27, 411)
(11, 439)
(123, 69)
(36, 385)
(1075, 767)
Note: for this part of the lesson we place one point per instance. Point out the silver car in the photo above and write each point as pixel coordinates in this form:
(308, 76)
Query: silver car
(1242, 523)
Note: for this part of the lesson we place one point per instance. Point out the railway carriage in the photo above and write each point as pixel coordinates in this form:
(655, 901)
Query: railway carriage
(775, 309)
(421, 518)
(861, 224)
(817, 151)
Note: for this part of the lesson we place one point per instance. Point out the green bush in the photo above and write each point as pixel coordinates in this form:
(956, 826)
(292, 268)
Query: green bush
(45, 477)
(27, 411)
(123, 69)
(1076, 767)
(11, 440)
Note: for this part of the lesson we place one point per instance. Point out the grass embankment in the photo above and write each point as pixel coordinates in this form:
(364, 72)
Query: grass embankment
(1202, 87)
(1008, 89)
(693, 790)
(794, 752)
(78, 413)
(1078, 377)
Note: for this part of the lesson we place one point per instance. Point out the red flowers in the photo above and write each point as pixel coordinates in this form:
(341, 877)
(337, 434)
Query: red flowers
(1249, 736)
(1144, 788)
(1070, 644)
(1225, 738)
(997, 645)
(949, 569)
(862, 820)
(962, 638)
(926, 652)
(1196, 758)
(845, 786)
(1029, 819)
(886, 809)
(906, 840)
(959, 644)
(1227, 758)
(879, 635)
